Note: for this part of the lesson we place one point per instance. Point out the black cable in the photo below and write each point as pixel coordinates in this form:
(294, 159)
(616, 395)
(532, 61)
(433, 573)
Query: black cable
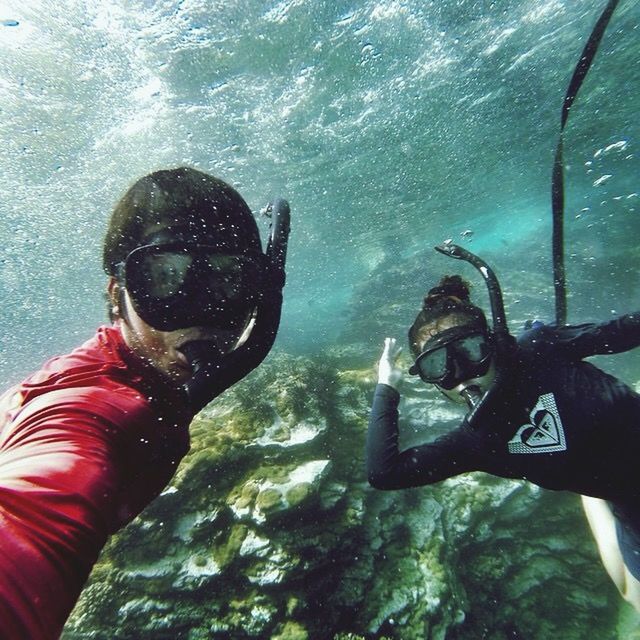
(557, 181)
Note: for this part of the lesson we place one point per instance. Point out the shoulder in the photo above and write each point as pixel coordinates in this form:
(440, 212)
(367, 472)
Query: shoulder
(539, 336)
(110, 402)
(98, 410)
(94, 379)
(536, 336)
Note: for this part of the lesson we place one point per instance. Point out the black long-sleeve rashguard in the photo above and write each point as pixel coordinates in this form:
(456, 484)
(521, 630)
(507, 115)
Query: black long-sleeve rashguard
(558, 422)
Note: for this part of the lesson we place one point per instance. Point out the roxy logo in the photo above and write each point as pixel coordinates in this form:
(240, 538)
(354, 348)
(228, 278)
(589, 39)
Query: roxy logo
(544, 434)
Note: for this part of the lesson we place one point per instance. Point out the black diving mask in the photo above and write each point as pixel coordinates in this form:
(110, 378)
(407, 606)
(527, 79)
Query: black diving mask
(454, 355)
(176, 285)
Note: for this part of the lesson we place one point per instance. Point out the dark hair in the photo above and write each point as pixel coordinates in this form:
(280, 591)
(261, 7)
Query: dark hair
(449, 298)
(182, 198)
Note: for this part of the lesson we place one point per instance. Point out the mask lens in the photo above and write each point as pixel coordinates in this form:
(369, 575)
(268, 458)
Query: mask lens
(473, 348)
(168, 273)
(164, 273)
(433, 365)
(453, 356)
(181, 285)
(223, 276)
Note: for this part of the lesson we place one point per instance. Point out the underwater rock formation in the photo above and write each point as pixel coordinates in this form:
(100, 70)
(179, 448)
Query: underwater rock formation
(270, 530)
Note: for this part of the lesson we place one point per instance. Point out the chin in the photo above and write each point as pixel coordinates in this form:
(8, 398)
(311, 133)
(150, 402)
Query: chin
(482, 384)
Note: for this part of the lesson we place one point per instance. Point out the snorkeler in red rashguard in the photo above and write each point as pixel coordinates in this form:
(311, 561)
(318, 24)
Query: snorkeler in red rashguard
(90, 439)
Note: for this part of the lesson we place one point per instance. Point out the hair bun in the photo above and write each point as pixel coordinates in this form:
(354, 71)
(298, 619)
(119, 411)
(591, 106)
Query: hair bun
(449, 287)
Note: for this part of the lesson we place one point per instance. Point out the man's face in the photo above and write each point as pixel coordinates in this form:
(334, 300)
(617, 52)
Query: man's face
(161, 349)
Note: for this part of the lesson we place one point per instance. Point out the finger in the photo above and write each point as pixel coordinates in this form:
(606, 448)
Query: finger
(394, 349)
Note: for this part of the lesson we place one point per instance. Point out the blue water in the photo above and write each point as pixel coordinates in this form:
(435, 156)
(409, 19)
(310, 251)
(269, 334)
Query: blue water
(390, 126)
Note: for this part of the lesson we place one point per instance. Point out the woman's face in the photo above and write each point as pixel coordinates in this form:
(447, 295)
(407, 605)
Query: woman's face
(161, 349)
(481, 383)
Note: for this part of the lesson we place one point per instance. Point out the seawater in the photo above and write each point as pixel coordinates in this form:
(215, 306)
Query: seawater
(390, 125)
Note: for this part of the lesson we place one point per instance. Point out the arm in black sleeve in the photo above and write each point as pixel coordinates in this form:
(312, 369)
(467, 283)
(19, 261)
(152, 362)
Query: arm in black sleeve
(388, 468)
(581, 341)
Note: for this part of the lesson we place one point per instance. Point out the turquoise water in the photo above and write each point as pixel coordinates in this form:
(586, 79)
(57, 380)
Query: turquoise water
(390, 126)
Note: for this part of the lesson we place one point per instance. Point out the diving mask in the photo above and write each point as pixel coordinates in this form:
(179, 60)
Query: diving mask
(455, 356)
(176, 285)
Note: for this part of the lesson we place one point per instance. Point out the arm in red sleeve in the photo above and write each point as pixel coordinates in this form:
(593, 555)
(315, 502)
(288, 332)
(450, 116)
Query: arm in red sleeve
(61, 473)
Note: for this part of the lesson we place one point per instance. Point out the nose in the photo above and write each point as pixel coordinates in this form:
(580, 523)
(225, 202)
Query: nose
(457, 369)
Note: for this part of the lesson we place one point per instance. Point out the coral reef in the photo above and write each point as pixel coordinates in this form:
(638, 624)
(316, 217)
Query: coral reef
(270, 530)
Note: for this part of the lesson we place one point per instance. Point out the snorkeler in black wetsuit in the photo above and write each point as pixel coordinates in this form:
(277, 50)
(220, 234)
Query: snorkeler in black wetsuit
(554, 420)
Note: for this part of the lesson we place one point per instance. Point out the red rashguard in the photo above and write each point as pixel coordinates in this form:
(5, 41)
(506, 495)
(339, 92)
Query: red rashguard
(84, 447)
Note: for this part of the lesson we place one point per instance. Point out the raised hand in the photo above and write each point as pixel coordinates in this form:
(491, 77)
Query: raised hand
(389, 372)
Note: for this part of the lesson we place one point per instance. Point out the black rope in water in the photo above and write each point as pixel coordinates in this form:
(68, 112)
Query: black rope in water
(557, 183)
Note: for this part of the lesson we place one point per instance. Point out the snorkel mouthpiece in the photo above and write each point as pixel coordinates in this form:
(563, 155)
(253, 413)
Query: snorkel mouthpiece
(204, 356)
(200, 353)
(472, 395)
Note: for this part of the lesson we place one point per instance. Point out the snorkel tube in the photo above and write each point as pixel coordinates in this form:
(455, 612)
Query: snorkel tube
(212, 371)
(503, 340)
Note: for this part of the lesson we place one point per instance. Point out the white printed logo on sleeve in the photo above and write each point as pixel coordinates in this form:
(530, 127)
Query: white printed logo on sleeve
(544, 434)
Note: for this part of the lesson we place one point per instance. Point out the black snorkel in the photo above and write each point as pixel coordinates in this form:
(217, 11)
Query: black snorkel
(213, 371)
(503, 341)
